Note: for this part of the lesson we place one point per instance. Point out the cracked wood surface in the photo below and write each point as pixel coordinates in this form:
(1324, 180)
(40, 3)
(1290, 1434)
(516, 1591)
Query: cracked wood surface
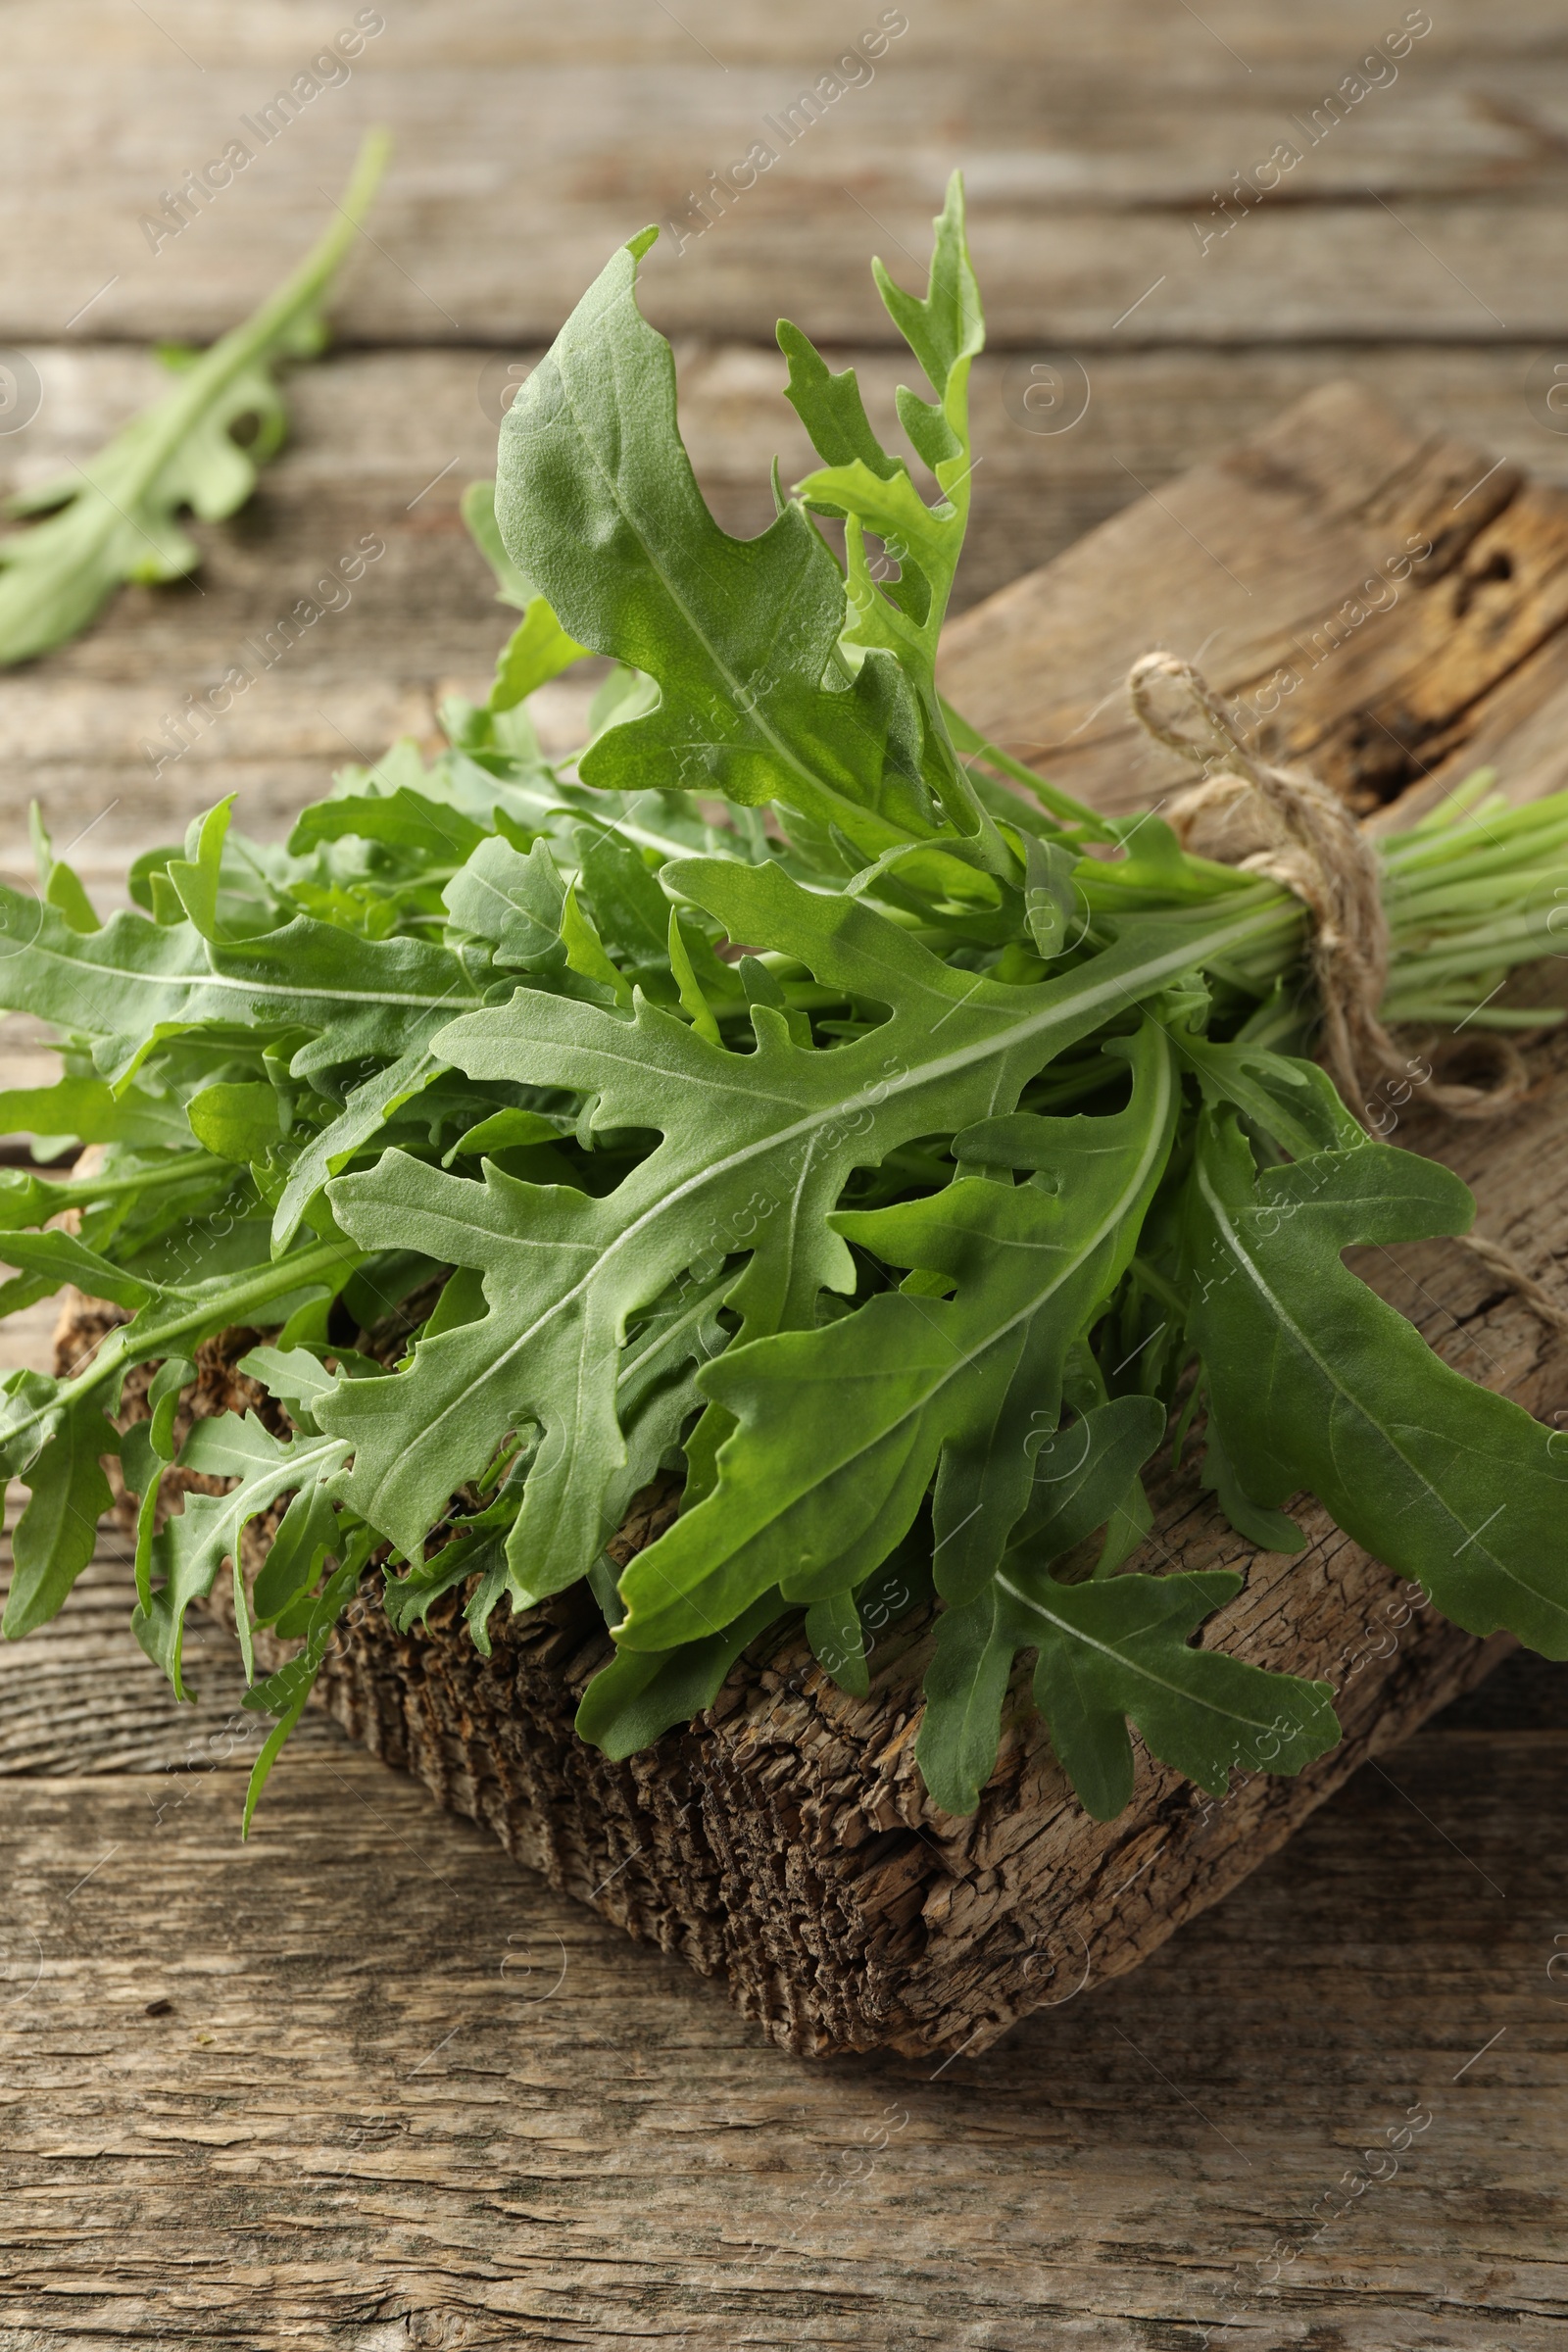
(354, 2086)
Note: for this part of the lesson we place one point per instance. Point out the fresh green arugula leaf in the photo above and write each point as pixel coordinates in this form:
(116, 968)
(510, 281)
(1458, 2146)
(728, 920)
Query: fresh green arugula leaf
(841, 1430)
(58, 1531)
(194, 1542)
(116, 518)
(1314, 1381)
(564, 1271)
(135, 983)
(641, 1693)
(740, 635)
(1106, 1651)
(1109, 1653)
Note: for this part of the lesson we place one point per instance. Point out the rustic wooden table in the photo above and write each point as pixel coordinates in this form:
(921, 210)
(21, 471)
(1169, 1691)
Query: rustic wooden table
(360, 2083)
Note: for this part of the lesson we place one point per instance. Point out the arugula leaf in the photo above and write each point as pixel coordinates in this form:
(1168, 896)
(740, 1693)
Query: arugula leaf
(740, 635)
(287, 1692)
(1106, 1651)
(147, 1449)
(58, 1531)
(59, 885)
(115, 519)
(1109, 1653)
(195, 1542)
(640, 1693)
(1314, 1381)
(53, 1431)
(873, 492)
(135, 983)
(90, 1112)
(563, 1271)
(841, 1430)
(538, 649)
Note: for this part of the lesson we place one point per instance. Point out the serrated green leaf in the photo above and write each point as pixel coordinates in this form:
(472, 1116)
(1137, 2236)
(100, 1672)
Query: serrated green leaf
(63, 1258)
(641, 1693)
(114, 519)
(195, 1542)
(739, 634)
(195, 877)
(841, 1430)
(366, 1111)
(287, 1692)
(432, 830)
(1315, 1382)
(293, 1375)
(58, 1531)
(517, 901)
(1116, 1651)
(146, 1450)
(1294, 1101)
(59, 885)
(563, 1272)
(1108, 1651)
(90, 1110)
(134, 982)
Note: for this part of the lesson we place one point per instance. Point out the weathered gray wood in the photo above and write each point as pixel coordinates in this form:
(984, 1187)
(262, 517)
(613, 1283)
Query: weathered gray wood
(1062, 2191)
(532, 141)
(399, 2100)
(1378, 601)
(86, 1699)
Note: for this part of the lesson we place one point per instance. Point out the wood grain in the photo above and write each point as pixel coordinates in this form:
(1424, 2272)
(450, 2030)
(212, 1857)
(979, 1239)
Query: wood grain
(531, 141)
(1373, 597)
(655, 2176)
(397, 2099)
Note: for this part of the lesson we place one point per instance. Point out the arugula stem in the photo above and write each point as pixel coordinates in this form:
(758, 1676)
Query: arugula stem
(230, 356)
(69, 1190)
(1156, 1285)
(232, 1304)
(1050, 797)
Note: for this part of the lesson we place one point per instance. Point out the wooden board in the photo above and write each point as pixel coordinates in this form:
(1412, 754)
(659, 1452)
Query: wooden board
(532, 141)
(397, 2099)
(1374, 600)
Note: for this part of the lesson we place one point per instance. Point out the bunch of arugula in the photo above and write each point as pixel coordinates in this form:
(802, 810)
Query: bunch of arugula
(771, 1096)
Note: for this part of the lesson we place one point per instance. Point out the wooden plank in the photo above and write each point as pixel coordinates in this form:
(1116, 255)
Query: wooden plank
(1093, 146)
(86, 1699)
(395, 2099)
(373, 431)
(1363, 591)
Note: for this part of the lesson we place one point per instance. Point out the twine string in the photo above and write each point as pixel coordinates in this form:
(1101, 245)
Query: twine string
(1319, 852)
